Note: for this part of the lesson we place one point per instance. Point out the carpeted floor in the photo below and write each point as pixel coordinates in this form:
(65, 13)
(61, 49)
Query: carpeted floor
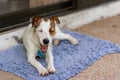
(108, 67)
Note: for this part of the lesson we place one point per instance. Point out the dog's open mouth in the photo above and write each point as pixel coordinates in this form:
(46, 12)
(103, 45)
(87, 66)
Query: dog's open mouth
(44, 48)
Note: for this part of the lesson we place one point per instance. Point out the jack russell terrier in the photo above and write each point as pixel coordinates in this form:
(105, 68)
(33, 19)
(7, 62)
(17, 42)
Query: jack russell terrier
(39, 35)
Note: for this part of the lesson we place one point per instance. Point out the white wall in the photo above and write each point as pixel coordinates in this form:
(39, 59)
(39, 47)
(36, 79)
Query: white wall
(81, 18)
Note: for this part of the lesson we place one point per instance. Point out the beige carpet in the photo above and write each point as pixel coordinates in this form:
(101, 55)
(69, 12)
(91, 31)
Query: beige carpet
(108, 67)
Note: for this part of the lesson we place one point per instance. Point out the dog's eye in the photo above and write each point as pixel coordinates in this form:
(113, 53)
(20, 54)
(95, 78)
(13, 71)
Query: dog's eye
(52, 30)
(41, 31)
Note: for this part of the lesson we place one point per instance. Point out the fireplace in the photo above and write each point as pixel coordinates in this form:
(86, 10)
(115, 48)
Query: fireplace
(14, 13)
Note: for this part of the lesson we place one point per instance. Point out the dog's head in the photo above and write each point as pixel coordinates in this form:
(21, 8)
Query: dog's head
(44, 28)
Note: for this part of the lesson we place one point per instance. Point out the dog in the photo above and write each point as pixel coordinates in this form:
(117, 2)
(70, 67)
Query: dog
(39, 35)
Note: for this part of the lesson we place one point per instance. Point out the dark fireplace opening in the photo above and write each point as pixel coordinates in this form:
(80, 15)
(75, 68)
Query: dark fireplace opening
(16, 13)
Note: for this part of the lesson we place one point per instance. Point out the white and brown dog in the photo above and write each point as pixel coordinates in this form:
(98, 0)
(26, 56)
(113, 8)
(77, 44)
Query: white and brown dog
(39, 36)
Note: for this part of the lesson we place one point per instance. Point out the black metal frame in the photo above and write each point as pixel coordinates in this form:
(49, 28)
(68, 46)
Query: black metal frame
(20, 18)
(81, 4)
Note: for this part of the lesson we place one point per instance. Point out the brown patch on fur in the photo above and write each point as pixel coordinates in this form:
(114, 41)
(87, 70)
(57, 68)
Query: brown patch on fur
(52, 27)
(36, 22)
(52, 24)
(45, 19)
(56, 19)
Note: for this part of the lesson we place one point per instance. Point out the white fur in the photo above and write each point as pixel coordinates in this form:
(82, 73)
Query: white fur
(32, 42)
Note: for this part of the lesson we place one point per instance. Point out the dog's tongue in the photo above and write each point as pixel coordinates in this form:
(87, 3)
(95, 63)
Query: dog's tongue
(44, 48)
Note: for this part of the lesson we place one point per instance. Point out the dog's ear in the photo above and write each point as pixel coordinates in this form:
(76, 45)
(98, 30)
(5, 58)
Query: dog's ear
(35, 21)
(55, 19)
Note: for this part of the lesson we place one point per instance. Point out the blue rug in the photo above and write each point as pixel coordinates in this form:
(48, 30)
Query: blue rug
(69, 60)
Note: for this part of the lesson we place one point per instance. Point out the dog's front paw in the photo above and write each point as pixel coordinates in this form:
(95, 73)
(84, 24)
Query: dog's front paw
(43, 72)
(51, 70)
(56, 42)
(74, 42)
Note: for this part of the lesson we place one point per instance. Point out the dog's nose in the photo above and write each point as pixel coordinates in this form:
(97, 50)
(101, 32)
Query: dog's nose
(45, 41)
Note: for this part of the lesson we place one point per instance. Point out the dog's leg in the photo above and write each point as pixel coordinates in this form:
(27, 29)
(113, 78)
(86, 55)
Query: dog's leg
(63, 36)
(49, 60)
(31, 59)
(56, 42)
